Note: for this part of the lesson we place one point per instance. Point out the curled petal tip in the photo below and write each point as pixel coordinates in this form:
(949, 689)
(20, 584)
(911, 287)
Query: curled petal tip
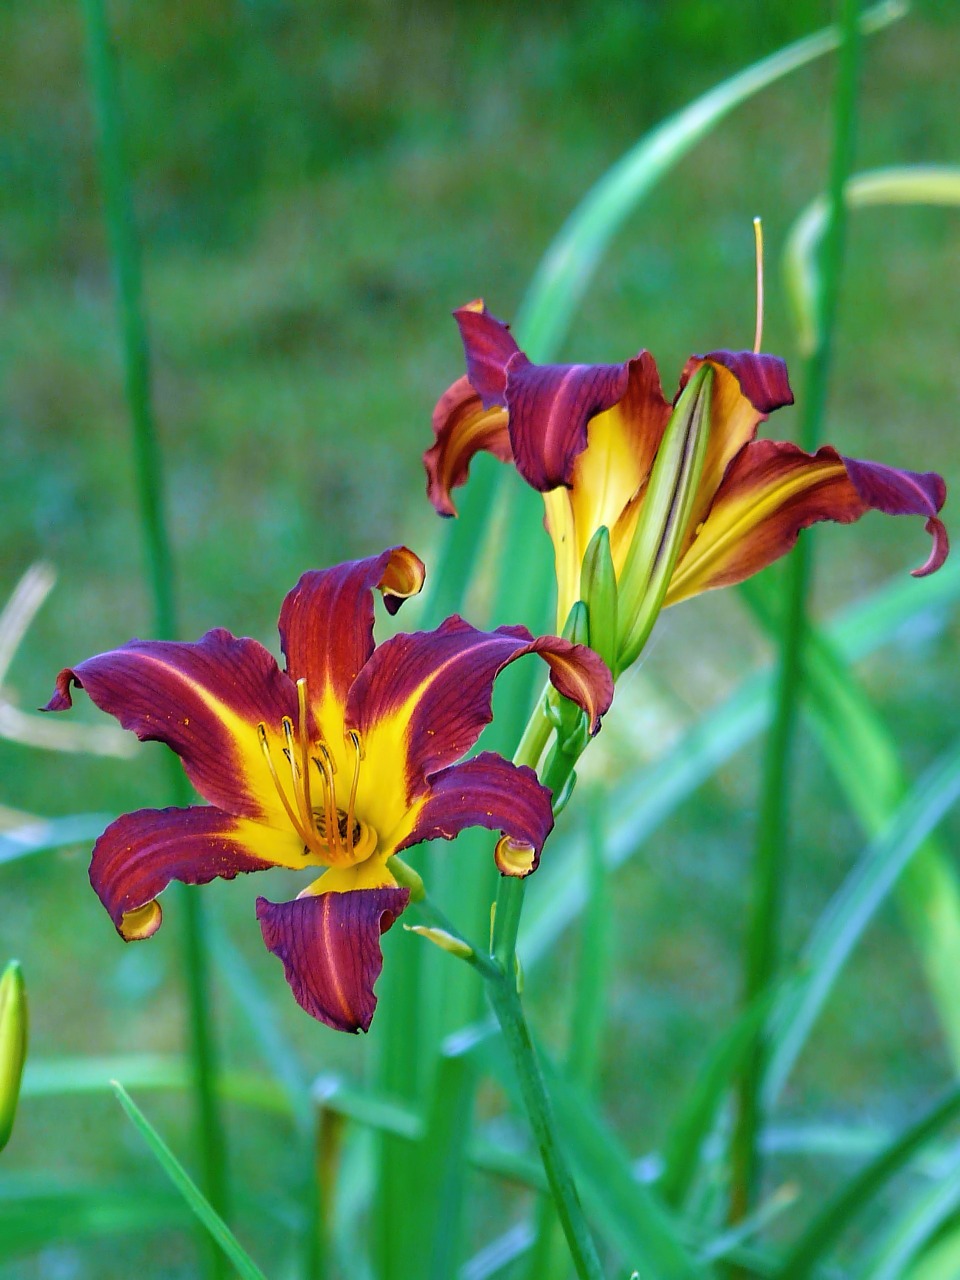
(515, 857)
(62, 699)
(902, 493)
(143, 922)
(938, 552)
(402, 578)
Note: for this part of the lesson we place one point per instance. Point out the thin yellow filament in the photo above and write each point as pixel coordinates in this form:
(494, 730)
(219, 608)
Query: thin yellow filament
(306, 835)
(758, 239)
(355, 739)
(304, 745)
(290, 751)
(324, 763)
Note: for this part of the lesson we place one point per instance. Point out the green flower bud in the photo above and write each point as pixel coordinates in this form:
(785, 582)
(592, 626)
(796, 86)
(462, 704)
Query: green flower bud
(442, 939)
(13, 1045)
(598, 591)
(665, 517)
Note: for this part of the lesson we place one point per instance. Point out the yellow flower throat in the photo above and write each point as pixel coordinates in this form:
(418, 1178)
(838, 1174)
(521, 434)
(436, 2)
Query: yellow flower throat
(333, 834)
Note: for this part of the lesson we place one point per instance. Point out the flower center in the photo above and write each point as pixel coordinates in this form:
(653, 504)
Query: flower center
(328, 830)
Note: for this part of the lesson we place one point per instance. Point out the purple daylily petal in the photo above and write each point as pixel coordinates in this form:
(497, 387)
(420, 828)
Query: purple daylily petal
(139, 854)
(488, 347)
(330, 947)
(326, 621)
(204, 700)
(763, 378)
(450, 673)
(490, 792)
(904, 493)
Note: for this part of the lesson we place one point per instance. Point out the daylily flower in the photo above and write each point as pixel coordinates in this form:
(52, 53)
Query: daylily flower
(338, 762)
(588, 437)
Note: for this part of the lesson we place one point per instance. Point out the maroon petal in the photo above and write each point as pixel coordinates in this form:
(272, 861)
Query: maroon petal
(326, 622)
(330, 947)
(763, 378)
(488, 791)
(139, 854)
(462, 427)
(904, 493)
(549, 407)
(441, 683)
(489, 347)
(204, 700)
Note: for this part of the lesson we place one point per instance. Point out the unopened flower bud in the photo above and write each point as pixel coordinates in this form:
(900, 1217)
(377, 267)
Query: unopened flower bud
(13, 1045)
(665, 517)
(598, 591)
(441, 938)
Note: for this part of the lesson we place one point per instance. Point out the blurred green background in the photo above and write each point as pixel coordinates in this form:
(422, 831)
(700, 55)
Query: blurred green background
(317, 186)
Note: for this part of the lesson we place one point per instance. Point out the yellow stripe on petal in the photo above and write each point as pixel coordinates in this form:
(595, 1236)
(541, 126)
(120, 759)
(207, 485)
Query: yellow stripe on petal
(770, 493)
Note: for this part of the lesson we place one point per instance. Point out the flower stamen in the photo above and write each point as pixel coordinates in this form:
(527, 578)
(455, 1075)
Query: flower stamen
(304, 745)
(325, 764)
(306, 834)
(358, 756)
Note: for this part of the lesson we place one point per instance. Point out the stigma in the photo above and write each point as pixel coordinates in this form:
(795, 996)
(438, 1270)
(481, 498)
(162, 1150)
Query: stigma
(328, 827)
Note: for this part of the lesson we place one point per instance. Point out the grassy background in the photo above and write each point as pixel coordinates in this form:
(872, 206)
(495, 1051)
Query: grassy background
(317, 186)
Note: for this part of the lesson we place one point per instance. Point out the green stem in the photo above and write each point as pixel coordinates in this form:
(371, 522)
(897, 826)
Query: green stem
(500, 975)
(510, 891)
(509, 1011)
(770, 861)
(148, 469)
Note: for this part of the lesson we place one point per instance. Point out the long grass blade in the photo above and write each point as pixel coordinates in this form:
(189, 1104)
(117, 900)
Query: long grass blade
(105, 89)
(697, 1116)
(199, 1206)
(839, 1212)
(897, 185)
(769, 872)
(843, 718)
(912, 1228)
(842, 925)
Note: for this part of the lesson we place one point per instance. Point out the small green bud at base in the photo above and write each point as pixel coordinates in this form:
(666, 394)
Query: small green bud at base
(442, 939)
